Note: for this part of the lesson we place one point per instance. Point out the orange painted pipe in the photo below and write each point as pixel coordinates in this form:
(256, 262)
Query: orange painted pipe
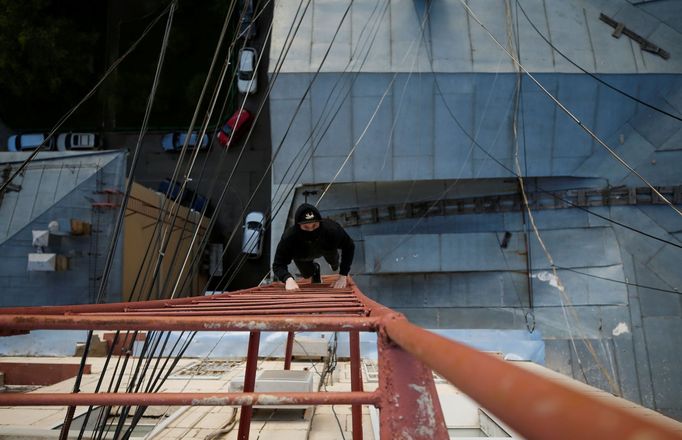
(534, 406)
(187, 323)
(183, 399)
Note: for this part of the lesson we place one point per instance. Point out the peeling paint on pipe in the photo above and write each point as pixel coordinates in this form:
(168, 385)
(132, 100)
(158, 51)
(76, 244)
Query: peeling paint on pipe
(190, 399)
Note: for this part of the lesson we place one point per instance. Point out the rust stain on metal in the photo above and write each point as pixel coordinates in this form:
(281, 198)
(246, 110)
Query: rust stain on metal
(210, 401)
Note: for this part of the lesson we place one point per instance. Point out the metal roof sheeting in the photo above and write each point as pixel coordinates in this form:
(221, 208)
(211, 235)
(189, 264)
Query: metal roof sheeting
(459, 44)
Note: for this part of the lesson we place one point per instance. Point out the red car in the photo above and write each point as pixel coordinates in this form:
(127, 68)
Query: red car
(233, 127)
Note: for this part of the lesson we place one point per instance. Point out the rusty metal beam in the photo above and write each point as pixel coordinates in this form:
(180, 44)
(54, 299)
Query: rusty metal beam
(246, 311)
(355, 382)
(289, 350)
(249, 385)
(410, 407)
(188, 399)
(187, 323)
(534, 406)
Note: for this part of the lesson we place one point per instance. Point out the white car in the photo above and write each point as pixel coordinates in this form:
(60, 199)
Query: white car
(76, 141)
(252, 243)
(246, 77)
(27, 142)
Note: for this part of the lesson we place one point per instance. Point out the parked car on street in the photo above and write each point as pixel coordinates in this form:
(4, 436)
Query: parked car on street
(28, 142)
(247, 81)
(247, 24)
(174, 141)
(233, 127)
(76, 141)
(252, 243)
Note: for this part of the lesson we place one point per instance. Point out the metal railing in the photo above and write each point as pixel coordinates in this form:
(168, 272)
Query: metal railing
(533, 405)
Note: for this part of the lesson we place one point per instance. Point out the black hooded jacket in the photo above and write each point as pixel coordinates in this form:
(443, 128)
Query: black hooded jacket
(297, 244)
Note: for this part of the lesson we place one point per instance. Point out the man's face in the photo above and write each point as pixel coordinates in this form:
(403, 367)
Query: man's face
(309, 227)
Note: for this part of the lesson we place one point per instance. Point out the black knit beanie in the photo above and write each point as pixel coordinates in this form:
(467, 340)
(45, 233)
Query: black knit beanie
(307, 213)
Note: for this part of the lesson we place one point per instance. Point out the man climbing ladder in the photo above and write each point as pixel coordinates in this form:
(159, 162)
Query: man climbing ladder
(309, 238)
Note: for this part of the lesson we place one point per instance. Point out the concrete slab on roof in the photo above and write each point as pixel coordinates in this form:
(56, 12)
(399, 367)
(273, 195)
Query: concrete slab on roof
(665, 352)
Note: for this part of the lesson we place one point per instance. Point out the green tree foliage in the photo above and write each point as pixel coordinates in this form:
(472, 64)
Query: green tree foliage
(46, 59)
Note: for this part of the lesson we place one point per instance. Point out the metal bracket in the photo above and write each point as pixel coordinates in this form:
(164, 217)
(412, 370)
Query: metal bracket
(644, 44)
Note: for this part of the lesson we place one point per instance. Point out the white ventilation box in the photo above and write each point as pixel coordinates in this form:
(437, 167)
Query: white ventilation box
(309, 348)
(42, 262)
(278, 381)
(41, 238)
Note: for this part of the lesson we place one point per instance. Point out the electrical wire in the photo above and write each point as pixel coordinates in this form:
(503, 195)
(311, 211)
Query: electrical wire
(222, 158)
(300, 103)
(104, 279)
(641, 286)
(141, 357)
(177, 358)
(213, 220)
(592, 75)
(312, 148)
(136, 155)
(570, 114)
